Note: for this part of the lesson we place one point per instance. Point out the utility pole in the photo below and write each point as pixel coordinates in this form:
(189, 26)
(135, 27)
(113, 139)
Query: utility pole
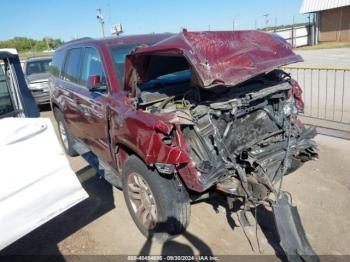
(101, 20)
(309, 31)
(293, 32)
(234, 23)
(266, 19)
(255, 24)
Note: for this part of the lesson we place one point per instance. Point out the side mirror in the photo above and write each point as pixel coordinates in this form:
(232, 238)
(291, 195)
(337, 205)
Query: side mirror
(93, 82)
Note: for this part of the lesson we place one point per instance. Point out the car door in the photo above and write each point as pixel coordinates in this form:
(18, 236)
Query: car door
(15, 97)
(93, 104)
(36, 181)
(71, 88)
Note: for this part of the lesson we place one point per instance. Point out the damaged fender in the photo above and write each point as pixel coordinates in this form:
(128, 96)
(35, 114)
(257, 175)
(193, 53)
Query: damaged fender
(148, 142)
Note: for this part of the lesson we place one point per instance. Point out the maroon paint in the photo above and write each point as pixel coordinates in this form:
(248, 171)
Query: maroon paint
(232, 58)
(227, 58)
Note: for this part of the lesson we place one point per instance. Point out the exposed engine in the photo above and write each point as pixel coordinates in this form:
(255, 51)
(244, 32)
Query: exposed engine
(240, 133)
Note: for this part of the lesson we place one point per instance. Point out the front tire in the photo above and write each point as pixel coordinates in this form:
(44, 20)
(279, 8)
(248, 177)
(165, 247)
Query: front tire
(66, 138)
(158, 205)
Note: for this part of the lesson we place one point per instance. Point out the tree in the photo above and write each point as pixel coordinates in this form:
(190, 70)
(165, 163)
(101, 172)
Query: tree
(24, 44)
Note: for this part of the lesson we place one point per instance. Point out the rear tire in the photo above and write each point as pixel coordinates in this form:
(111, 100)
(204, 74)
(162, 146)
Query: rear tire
(66, 138)
(159, 205)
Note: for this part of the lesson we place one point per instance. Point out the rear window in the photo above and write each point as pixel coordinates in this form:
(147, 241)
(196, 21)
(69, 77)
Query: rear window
(37, 67)
(6, 105)
(72, 65)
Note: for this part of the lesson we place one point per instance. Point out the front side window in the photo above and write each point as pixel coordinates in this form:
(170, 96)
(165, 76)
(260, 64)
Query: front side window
(72, 66)
(37, 67)
(92, 66)
(6, 105)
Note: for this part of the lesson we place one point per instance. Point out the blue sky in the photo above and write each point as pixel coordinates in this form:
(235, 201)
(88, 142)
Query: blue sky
(70, 18)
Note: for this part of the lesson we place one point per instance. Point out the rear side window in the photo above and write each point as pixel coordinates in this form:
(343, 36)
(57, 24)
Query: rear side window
(57, 62)
(72, 65)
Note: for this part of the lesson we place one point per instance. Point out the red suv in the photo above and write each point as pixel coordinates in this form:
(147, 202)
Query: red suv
(171, 118)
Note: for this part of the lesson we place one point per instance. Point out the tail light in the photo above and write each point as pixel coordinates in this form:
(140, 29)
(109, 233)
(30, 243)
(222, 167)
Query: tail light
(299, 103)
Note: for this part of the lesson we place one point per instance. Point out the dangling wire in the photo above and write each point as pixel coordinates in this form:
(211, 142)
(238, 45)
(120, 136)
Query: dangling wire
(284, 163)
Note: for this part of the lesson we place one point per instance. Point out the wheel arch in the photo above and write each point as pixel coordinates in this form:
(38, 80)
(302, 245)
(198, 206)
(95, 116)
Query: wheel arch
(123, 151)
(55, 107)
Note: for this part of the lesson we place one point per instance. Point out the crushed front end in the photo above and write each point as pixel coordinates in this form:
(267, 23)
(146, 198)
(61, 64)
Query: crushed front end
(243, 140)
(234, 114)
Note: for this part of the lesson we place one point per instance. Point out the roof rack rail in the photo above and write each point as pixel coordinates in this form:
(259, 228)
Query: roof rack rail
(78, 40)
(46, 55)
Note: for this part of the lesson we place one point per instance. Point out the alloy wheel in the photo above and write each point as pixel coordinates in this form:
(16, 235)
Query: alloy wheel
(142, 200)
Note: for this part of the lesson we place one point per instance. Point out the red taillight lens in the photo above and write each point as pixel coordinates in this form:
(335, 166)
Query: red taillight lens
(299, 103)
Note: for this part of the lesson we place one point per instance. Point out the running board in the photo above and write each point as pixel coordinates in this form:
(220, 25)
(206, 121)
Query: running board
(291, 231)
(103, 169)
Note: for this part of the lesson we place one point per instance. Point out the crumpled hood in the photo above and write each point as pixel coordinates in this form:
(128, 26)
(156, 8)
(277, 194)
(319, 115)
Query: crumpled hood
(226, 58)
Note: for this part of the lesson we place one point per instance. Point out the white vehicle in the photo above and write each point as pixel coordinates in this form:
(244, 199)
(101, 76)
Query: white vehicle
(36, 181)
(36, 73)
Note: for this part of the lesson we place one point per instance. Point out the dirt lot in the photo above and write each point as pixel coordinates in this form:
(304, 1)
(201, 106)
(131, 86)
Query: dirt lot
(101, 225)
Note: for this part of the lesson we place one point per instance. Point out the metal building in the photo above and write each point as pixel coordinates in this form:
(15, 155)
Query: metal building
(332, 19)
